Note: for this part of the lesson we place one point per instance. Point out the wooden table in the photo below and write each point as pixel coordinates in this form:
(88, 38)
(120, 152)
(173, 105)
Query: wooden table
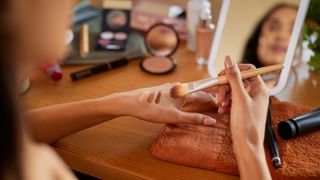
(120, 149)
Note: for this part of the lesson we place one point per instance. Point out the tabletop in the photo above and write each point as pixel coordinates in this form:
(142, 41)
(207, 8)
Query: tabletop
(120, 148)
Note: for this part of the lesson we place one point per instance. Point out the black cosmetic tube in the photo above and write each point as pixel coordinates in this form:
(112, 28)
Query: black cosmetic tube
(300, 125)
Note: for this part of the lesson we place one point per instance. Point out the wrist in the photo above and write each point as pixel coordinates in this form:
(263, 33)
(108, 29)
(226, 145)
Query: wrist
(251, 160)
(244, 144)
(248, 137)
(117, 104)
(246, 151)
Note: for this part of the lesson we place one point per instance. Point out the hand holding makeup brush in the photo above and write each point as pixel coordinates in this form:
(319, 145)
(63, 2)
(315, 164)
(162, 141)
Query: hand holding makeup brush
(247, 120)
(154, 104)
(223, 92)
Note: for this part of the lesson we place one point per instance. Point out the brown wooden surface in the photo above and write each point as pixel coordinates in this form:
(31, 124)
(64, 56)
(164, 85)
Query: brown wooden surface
(120, 149)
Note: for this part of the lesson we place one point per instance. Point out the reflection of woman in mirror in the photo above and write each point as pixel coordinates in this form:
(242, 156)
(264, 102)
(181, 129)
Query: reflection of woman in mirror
(270, 39)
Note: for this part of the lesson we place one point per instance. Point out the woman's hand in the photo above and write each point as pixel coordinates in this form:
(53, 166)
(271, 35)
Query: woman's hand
(249, 103)
(154, 104)
(248, 100)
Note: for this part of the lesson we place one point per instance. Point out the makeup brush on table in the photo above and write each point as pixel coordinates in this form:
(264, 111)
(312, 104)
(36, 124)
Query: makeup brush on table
(191, 87)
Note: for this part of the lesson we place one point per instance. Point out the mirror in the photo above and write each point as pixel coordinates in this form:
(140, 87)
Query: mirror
(262, 33)
(161, 40)
(116, 19)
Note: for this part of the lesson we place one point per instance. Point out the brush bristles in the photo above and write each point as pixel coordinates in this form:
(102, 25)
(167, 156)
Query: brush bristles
(179, 90)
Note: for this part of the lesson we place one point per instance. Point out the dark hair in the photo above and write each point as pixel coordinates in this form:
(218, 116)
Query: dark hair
(10, 135)
(250, 52)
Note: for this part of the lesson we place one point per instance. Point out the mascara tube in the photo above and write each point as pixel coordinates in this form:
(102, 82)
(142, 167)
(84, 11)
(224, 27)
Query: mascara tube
(300, 125)
(98, 69)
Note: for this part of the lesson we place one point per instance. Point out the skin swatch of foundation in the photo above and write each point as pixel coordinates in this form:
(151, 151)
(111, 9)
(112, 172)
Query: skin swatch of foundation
(150, 97)
(141, 97)
(157, 101)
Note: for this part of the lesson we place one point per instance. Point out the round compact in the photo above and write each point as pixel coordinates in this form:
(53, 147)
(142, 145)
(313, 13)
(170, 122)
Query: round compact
(161, 42)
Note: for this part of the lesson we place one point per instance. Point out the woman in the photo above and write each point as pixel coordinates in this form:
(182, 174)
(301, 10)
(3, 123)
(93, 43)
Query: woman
(32, 31)
(270, 39)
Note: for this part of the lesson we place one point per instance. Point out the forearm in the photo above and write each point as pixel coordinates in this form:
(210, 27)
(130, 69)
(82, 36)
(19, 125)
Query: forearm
(251, 160)
(52, 123)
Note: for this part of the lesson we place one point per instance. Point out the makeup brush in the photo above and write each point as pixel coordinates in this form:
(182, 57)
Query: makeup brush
(84, 41)
(191, 87)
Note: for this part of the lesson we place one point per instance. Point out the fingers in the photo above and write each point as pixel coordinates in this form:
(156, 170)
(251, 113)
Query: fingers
(259, 89)
(198, 102)
(233, 74)
(226, 103)
(252, 87)
(195, 118)
(223, 90)
(242, 67)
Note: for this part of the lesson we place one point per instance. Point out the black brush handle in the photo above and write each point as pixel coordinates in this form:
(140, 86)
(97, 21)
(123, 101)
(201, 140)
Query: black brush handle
(98, 69)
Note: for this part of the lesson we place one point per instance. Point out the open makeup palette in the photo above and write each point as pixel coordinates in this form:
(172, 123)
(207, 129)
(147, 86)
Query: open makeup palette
(161, 42)
(116, 17)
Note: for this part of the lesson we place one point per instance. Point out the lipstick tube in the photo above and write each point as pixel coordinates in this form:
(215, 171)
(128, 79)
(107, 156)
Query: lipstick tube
(53, 71)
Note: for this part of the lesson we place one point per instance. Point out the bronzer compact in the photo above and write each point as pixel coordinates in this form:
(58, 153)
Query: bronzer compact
(161, 42)
(115, 25)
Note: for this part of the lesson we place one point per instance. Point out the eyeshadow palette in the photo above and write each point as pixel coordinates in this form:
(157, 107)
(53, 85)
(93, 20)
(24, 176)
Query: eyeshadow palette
(109, 40)
(115, 25)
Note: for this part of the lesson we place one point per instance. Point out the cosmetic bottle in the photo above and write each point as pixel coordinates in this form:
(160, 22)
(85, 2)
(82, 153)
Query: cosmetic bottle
(204, 36)
(300, 125)
(194, 8)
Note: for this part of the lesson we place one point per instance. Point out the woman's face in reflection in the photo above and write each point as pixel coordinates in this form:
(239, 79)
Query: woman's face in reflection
(275, 36)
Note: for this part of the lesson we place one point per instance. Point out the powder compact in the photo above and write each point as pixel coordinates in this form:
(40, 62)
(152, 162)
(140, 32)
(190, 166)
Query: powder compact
(161, 41)
(115, 25)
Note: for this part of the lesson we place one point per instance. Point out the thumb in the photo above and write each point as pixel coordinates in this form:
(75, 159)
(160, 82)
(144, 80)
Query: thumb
(196, 118)
(234, 77)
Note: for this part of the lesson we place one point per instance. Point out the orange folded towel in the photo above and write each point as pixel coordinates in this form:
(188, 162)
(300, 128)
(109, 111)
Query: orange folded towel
(211, 147)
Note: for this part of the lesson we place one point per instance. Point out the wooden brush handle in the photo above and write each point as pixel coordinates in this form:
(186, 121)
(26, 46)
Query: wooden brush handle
(252, 72)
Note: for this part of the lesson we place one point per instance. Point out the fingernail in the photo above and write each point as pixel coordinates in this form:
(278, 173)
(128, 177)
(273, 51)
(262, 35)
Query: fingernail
(216, 101)
(209, 121)
(228, 62)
